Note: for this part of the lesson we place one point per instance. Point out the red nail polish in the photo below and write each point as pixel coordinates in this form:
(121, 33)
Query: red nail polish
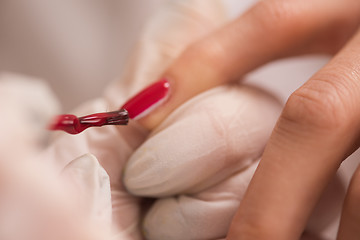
(148, 99)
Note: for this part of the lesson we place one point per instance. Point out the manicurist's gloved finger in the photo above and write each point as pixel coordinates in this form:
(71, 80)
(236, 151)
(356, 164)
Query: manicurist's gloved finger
(271, 29)
(317, 130)
(200, 161)
(203, 215)
(209, 138)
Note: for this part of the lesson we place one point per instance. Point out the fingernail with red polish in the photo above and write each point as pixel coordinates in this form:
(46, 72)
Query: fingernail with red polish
(148, 99)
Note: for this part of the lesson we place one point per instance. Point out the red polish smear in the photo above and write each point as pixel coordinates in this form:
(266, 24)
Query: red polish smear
(74, 125)
(147, 98)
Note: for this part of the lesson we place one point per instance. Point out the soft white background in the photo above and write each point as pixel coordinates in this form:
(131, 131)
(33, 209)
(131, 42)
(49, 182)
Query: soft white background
(79, 46)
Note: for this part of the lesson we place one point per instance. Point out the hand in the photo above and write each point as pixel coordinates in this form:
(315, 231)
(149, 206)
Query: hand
(316, 128)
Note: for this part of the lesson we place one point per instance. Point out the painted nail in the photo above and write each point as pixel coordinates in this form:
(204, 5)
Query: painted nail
(148, 99)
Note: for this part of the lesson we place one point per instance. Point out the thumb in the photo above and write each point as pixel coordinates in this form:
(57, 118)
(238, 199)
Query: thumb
(270, 30)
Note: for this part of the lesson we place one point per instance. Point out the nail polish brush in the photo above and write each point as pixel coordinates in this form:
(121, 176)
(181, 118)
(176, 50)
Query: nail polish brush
(136, 107)
(74, 125)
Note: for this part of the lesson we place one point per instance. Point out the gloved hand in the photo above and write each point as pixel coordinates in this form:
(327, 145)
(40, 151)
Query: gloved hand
(198, 161)
(175, 26)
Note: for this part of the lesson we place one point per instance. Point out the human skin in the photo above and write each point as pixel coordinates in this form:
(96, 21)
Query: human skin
(318, 127)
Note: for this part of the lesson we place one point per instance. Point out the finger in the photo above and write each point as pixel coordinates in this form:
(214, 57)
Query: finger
(174, 26)
(350, 219)
(316, 131)
(271, 29)
(208, 139)
(204, 215)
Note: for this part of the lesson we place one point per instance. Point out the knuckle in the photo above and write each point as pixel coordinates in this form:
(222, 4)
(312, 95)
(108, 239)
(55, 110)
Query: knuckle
(320, 103)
